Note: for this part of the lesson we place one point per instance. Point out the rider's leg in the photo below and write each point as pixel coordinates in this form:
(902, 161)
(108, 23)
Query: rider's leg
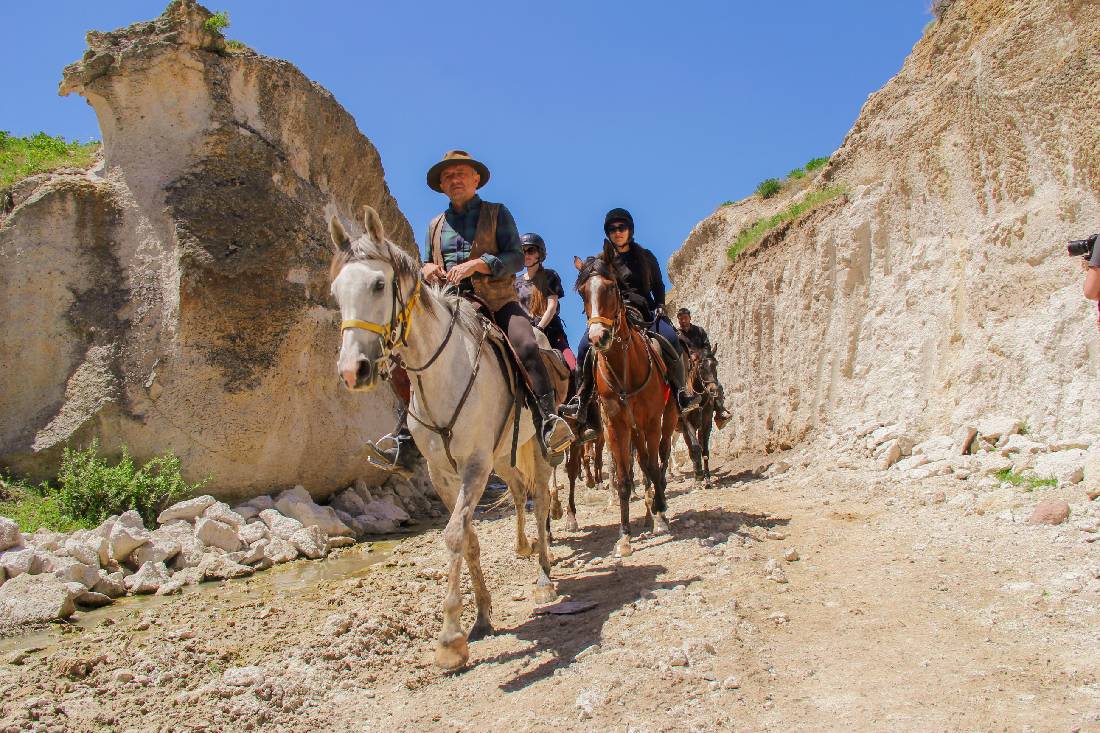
(579, 408)
(402, 455)
(554, 432)
(721, 414)
(671, 350)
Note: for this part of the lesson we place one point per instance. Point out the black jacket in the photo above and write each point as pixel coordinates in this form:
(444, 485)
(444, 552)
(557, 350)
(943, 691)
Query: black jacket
(639, 277)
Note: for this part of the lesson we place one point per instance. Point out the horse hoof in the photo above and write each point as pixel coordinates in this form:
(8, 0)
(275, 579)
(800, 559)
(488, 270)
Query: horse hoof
(523, 552)
(555, 509)
(699, 476)
(480, 630)
(590, 483)
(660, 525)
(571, 523)
(452, 656)
(623, 548)
(545, 593)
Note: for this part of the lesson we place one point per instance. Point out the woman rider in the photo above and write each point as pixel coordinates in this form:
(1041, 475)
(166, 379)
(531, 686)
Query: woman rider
(540, 292)
(643, 287)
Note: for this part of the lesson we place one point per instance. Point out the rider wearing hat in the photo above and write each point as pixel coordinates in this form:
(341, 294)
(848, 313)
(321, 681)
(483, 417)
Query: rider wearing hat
(697, 339)
(474, 245)
(643, 289)
(540, 292)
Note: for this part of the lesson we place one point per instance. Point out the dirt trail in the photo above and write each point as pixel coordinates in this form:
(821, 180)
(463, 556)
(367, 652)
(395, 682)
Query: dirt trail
(902, 612)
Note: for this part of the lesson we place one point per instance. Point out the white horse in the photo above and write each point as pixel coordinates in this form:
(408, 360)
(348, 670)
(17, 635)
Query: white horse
(462, 406)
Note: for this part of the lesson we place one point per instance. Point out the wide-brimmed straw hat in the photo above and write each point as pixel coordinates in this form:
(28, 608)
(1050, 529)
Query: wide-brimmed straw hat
(454, 157)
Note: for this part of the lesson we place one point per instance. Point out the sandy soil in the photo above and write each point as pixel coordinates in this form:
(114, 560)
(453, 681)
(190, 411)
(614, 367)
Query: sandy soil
(903, 612)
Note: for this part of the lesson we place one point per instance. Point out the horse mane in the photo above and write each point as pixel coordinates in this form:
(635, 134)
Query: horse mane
(407, 268)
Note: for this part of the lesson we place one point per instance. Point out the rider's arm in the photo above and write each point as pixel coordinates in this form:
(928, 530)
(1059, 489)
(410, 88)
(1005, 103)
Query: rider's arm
(657, 281)
(509, 257)
(551, 311)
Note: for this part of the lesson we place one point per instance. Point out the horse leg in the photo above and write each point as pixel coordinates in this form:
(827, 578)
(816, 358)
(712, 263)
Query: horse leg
(660, 505)
(555, 503)
(573, 471)
(704, 443)
(452, 651)
(623, 481)
(483, 625)
(518, 488)
(696, 448)
(545, 590)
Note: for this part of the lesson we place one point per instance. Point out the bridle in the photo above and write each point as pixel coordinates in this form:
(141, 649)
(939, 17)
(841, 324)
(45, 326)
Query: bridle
(602, 363)
(610, 323)
(395, 333)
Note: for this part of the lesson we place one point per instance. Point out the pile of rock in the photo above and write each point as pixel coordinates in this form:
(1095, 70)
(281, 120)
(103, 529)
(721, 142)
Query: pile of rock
(990, 446)
(47, 575)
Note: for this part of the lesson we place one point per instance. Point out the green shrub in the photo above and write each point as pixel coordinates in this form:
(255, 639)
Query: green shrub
(796, 174)
(816, 163)
(768, 188)
(21, 157)
(217, 22)
(755, 232)
(234, 45)
(1027, 483)
(34, 507)
(92, 490)
(728, 203)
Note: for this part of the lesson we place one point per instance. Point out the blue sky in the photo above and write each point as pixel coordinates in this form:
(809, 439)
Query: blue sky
(577, 107)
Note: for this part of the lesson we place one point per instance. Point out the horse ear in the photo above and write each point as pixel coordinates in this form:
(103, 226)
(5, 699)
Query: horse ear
(577, 263)
(372, 223)
(339, 236)
(714, 350)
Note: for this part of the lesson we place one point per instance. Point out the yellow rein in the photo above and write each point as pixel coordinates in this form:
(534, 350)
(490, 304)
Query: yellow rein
(389, 332)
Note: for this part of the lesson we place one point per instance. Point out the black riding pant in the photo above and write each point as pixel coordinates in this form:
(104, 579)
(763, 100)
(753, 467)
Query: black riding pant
(515, 322)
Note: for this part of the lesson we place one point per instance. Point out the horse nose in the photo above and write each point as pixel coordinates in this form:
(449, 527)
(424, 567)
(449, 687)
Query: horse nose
(356, 377)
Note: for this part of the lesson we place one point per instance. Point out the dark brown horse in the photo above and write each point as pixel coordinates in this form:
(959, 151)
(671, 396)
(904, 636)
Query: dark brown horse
(639, 413)
(703, 380)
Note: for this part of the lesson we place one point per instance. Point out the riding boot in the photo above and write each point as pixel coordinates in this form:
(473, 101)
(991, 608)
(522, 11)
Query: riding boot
(553, 431)
(687, 401)
(401, 458)
(721, 414)
(579, 409)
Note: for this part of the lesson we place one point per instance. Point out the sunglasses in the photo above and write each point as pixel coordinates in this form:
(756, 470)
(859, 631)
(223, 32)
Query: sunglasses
(530, 251)
(618, 228)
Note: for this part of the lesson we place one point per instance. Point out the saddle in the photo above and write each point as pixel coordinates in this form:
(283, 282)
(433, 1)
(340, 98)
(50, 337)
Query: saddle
(510, 363)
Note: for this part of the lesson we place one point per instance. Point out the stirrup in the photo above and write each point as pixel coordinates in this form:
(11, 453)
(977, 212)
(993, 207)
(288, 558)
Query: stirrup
(720, 422)
(382, 459)
(692, 403)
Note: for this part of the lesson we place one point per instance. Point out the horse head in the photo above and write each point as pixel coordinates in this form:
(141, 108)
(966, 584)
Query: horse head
(705, 371)
(367, 276)
(603, 301)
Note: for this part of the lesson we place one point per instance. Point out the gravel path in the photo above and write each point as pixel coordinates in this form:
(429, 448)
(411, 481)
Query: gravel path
(896, 609)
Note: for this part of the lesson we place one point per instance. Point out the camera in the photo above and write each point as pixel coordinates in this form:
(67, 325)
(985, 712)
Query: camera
(1081, 247)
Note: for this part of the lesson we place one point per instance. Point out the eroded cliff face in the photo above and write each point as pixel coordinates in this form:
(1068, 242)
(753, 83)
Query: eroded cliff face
(938, 289)
(176, 297)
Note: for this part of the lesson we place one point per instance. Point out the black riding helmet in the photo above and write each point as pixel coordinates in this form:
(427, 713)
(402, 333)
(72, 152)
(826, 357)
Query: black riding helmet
(533, 240)
(619, 215)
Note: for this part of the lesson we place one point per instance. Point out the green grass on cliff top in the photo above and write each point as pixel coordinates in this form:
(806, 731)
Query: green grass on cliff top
(754, 233)
(21, 157)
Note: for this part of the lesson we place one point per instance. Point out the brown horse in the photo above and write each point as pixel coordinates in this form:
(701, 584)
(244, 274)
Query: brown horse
(639, 412)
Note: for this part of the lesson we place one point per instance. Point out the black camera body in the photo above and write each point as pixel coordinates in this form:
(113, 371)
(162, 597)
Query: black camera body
(1081, 247)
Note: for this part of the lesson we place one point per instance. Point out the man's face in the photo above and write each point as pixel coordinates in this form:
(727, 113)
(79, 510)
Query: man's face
(459, 181)
(684, 319)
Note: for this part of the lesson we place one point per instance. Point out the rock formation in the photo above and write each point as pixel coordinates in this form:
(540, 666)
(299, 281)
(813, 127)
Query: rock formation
(176, 296)
(938, 290)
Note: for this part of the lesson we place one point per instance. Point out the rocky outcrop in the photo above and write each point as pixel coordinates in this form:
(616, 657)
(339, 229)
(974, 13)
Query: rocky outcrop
(176, 296)
(938, 290)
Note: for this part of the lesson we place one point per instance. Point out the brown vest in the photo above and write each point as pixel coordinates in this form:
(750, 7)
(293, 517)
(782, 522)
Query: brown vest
(496, 292)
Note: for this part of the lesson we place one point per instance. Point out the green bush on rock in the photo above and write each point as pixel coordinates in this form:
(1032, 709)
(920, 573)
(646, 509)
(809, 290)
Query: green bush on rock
(91, 489)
